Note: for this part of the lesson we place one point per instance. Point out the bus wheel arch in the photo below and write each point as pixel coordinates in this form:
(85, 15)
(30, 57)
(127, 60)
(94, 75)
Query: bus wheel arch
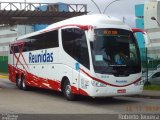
(63, 81)
(66, 89)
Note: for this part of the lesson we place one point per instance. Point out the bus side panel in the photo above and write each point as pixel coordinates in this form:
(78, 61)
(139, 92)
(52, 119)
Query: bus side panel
(44, 74)
(11, 69)
(40, 74)
(68, 69)
(11, 73)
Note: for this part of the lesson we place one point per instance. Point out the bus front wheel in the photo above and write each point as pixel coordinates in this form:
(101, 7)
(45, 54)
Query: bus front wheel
(67, 91)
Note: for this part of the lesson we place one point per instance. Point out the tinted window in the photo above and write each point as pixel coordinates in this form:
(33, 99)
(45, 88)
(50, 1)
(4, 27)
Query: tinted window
(115, 51)
(14, 49)
(41, 41)
(75, 44)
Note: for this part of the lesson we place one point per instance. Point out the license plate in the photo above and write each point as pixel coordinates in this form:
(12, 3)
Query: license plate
(121, 91)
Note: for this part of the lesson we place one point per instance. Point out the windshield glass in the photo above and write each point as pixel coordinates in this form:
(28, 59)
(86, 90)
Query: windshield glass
(115, 51)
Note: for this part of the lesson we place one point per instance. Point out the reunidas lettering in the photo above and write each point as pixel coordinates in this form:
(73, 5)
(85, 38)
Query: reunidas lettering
(39, 58)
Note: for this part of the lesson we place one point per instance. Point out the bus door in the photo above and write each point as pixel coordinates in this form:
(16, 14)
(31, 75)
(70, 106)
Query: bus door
(83, 60)
(81, 55)
(75, 44)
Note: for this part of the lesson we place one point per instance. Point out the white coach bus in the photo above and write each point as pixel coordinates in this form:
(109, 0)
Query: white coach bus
(91, 55)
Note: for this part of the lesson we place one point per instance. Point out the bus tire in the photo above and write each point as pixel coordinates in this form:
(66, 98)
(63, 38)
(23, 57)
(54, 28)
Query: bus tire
(24, 86)
(67, 91)
(18, 82)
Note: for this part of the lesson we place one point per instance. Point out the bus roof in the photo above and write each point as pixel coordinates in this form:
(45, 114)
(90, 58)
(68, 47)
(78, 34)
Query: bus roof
(96, 20)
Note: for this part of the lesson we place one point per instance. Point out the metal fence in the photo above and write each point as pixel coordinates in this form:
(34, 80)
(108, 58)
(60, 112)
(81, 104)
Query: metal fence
(150, 59)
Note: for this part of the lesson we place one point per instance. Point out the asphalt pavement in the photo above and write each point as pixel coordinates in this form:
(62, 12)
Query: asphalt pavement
(150, 94)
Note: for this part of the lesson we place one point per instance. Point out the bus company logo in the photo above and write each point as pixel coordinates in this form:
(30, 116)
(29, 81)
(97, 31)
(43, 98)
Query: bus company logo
(39, 58)
(121, 81)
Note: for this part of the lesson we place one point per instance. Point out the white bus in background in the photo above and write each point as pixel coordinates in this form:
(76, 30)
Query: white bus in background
(90, 55)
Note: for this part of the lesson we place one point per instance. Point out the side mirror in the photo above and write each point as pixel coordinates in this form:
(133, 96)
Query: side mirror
(145, 35)
(91, 34)
(146, 38)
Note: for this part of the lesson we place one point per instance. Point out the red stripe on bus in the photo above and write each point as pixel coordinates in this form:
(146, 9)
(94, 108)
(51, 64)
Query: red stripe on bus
(35, 81)
(20, 48)
(83, 27)
(75, 90)
(99, 80)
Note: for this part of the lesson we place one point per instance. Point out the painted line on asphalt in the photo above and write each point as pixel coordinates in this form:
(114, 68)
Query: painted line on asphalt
(3, 76)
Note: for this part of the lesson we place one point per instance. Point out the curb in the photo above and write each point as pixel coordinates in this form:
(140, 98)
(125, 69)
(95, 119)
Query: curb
(151, 97)
(148, 96)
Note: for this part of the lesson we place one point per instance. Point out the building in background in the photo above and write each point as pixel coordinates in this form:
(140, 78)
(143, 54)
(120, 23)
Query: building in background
(8, 34)
(144, 19)
(139, 13)
(152, 9)
(60, 7)
(48, 11)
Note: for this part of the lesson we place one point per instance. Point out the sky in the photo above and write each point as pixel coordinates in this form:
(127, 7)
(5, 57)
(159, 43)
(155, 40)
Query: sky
(120, 9)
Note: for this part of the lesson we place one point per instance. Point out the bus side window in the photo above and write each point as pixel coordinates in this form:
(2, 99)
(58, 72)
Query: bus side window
(41, 41)
(14, 49)
(75, 44)
(26, 45)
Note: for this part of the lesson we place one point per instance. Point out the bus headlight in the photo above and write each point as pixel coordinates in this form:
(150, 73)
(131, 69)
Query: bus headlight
(141, 82)
(97, 84)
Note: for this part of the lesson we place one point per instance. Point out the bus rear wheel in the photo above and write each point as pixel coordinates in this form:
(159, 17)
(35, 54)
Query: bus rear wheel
(67, 91)
(24, 86)
(18, 82)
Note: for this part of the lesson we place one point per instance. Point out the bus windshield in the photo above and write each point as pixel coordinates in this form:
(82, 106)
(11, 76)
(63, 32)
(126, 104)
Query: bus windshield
(115, 51)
